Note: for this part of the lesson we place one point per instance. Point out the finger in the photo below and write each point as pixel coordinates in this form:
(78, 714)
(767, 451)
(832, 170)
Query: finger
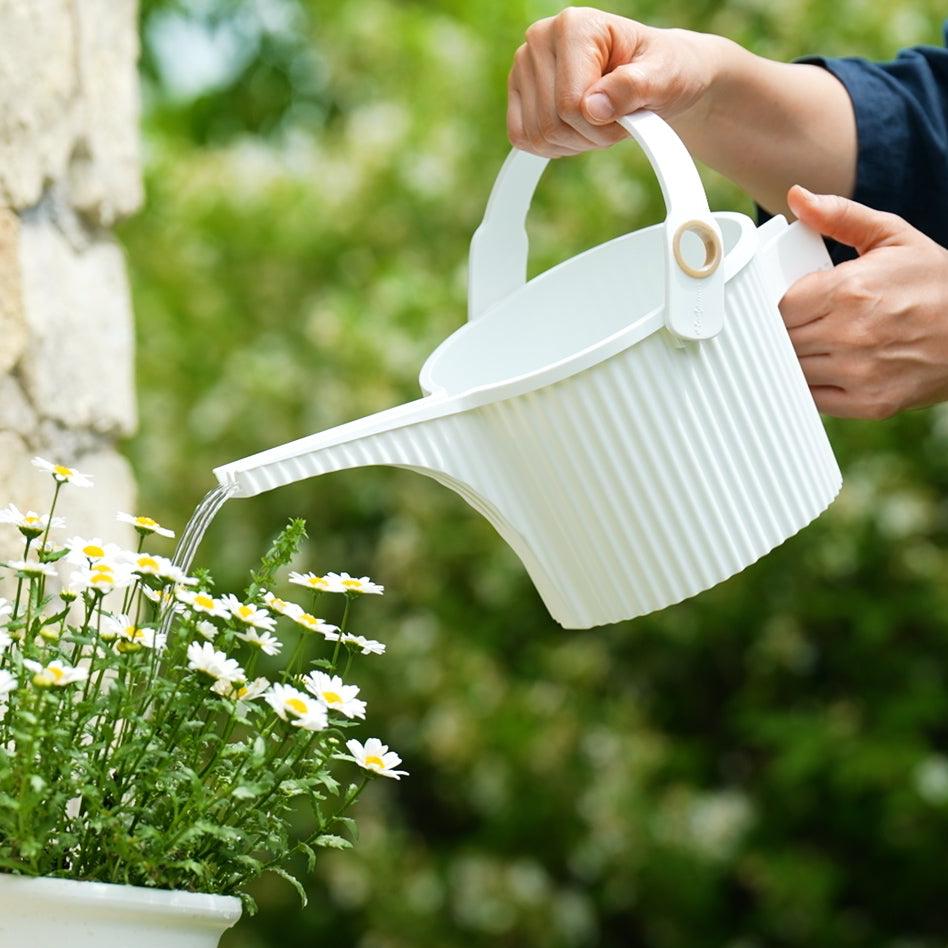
(626, 89)
(550, 123)
(808, 299)
(515, 118)
(581, 62)
(812, 338)
(533, 140)
(821, 370)
(846, 221)
(835, 401)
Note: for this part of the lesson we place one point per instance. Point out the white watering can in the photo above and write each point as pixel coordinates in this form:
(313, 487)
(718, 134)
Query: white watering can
(633, 422)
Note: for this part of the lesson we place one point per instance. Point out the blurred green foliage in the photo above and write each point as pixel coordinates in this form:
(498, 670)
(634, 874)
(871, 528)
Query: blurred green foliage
(764, 765)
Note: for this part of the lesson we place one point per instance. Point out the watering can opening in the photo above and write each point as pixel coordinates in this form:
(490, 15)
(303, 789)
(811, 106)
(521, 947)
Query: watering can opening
(585, 308)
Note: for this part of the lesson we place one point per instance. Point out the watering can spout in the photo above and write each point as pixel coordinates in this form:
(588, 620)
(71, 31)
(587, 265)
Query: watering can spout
(383, 438)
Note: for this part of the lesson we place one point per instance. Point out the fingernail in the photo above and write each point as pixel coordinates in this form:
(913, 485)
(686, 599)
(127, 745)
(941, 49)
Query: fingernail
(599, 106)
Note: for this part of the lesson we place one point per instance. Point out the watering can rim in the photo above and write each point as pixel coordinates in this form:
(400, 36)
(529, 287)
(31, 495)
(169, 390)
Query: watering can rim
(733, 262)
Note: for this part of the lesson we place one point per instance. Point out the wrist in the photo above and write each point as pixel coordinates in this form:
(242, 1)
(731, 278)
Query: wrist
(724, 62)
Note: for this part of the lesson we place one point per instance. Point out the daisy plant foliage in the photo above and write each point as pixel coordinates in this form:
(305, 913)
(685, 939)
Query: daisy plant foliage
(154, 732)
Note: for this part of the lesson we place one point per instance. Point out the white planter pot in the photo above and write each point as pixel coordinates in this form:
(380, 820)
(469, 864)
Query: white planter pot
(52, 913)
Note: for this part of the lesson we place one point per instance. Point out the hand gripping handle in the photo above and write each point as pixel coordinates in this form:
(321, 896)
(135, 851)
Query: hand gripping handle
(694, 294)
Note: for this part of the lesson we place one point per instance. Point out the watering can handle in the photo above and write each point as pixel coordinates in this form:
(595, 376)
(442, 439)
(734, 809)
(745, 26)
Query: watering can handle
(694, 294)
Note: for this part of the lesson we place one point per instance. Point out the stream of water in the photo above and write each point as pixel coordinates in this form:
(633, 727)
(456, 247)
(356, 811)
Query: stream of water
(193, 533)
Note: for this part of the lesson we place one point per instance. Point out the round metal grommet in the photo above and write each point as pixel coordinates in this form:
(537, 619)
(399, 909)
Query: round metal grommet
(713, 252)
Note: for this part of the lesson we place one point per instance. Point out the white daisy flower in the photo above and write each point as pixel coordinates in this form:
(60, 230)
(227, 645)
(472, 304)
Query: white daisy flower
(246, 691)
(55, 674)
(62, 474)
(281, 606)
(203, 602)
(101, 578)
(366, 646)
(83, 552)
(335, 694)
(31, 568)
(261, 639)
(7, 684)
(165, 598)
(297, 707)
(5, 640)
(249, 613)
(144, 525)
(204, 658)
(375, 756)
(206, 630)
(314, 624)
(147, 564)
(30, 524)
(343, 582)
(310, 581)
(128, 637)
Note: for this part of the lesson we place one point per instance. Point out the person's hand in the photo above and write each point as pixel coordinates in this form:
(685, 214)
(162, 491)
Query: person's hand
(580, 70)
(871, 334)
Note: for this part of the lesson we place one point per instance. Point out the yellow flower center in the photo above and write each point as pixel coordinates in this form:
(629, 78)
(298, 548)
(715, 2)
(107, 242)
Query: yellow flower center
(317, 581)
(102, 578)
(278, 603)
(131, 632)
(352, 583)
(241, 692)
(307, 619)
(63, 471)
(30, 519)
(93, 552)
(147, 562)
(330, 697)
(101, 568)
(374, 761)
(205, 602)
(245, 611)
(146, 522)
(297, 706)
(57, 674)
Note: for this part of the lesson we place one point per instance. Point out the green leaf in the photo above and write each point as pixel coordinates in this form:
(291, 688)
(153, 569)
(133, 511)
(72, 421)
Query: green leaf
(284, 547)
(247, 791)
(331, 841)
(293, 881)
(310, 855)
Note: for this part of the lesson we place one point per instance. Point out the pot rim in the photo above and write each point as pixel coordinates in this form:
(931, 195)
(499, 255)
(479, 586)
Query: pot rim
(170, 904)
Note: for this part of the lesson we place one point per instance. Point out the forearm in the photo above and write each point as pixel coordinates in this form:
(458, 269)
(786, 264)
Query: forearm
(768, 125)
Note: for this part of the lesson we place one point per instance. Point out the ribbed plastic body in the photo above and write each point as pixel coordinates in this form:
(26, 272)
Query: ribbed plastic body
(639, 481)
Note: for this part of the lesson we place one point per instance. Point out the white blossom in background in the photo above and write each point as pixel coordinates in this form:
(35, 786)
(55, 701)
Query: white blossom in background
(366, 646)
(62, 474)
(297, 708)
(331, 691)
(144, 525)
(249, 613)
(55, 674)
(204, 658)
(31, 523)
(268, 643)
(375, 756)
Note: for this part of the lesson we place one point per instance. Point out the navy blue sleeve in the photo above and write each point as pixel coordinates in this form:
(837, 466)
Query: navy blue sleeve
(901, 110)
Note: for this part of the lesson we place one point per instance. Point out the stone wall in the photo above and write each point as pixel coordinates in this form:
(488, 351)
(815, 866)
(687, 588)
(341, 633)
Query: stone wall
(69, 169)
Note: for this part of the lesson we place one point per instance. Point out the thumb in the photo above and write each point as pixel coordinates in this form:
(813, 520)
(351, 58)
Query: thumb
(624, 90)
(843, 220)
